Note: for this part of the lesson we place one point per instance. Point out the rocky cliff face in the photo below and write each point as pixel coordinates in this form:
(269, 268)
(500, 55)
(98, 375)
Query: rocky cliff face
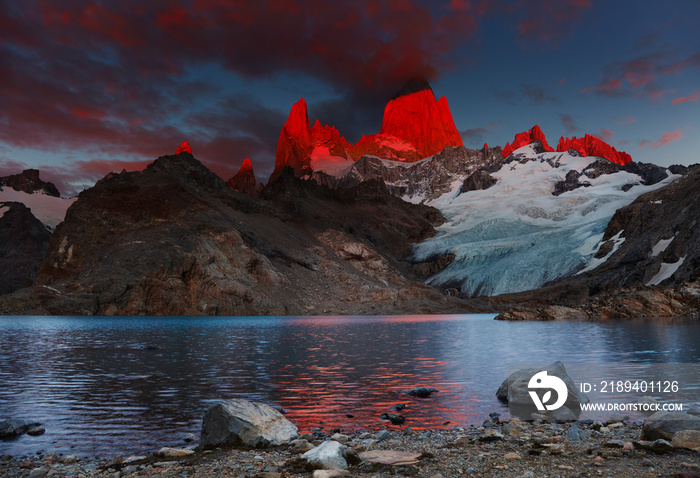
(414, 126)
(592, 146)
(525, 138)
(29, 182)
(420, 181)
(175, 239)
(416, 118)
(298, 141)
(244, 180)
(23, 243)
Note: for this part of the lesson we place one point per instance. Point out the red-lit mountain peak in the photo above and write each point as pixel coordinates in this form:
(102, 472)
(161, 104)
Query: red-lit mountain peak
(244, 180)
(525, 138)
(184, 148)
(414, 117)
(246, 166)
(592, 146)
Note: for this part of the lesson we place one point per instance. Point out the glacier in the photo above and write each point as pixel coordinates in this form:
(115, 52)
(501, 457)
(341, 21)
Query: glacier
(517, 235)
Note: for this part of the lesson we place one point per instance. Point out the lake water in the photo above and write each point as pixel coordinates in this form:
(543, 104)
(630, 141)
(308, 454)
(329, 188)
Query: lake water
(124, 385)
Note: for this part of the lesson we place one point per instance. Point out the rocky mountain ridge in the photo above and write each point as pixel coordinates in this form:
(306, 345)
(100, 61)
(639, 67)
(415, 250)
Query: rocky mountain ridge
(175, 239)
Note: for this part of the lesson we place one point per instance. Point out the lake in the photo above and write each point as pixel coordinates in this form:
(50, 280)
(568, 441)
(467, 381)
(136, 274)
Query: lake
(130, 385)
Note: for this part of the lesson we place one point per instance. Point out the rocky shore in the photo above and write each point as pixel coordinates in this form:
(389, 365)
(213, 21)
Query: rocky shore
(508, 448)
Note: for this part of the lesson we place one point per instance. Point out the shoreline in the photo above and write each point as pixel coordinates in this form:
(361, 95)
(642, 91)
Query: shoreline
(508, 448)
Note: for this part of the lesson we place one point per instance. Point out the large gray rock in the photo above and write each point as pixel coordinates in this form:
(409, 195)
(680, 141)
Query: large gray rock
(687, 439)
(243, 423)
(329, 455)
(515, 392)
(663, 425)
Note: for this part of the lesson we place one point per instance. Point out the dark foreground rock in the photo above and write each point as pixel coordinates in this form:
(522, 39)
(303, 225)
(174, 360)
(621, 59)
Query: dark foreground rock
(244, 423)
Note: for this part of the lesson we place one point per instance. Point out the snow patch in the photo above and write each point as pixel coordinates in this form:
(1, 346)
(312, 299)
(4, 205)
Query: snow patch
(666, 271)
(595, 262)
(3, 210)
(657, 202)
(48, 209)
(661, 246)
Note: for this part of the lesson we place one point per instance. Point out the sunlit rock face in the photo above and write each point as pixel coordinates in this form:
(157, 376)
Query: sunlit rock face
(415, 117)
(244, 180)
(184, 148)
(592, 146)
(525, 138)
(414, 127)
(298, 142)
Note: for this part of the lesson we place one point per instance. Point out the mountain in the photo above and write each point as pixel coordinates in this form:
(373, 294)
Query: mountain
(184, 148)
(244, 180)
(29, 210)
(175, 239)
(300, 147)
(525, 138)
(414, 126)
(23, 244)
(647, 264)
(540, 217)
(415, 117)
(592, 146)
(420, 181)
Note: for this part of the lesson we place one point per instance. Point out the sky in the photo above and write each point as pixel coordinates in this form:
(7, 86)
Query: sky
(88, 87)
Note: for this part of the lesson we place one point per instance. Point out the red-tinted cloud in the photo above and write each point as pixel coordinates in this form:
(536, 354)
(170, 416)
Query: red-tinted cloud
(627, 120)
(666, 138)
(694, 97)
(641, 76)
(606, 135)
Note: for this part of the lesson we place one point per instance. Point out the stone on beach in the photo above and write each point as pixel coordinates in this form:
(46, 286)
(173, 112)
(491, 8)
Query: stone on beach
(243, 423)
(167, 452)
(664, 425)
(329, 455)
(390, 457)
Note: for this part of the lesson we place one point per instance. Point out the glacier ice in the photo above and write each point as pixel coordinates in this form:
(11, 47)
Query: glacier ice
(517, 235)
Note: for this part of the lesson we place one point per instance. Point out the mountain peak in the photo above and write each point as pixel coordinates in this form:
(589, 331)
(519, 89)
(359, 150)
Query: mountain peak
(525, 138)
(415, 117)
(244, 180)
(592, 146)
(184, 148)
(414, 85)
(28, 181)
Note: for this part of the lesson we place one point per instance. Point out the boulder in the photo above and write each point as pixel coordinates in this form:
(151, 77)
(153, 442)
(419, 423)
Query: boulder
(422, 392)
(13, 427)
(329, 455)
(390, 457)
(515, 392)
(664, 425)
(243, 423)
(687, 439)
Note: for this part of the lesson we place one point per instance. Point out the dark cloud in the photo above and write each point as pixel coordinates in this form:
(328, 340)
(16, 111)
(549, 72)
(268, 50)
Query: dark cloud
(539, 95)
(114, 79)
(569, 124)
(507, 96)
(477, 135)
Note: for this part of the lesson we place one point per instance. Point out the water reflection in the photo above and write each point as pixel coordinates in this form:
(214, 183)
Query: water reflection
(129, 385)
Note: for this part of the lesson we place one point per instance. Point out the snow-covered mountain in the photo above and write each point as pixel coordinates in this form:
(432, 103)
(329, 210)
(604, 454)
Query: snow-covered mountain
(42, 198)
(543, 219)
